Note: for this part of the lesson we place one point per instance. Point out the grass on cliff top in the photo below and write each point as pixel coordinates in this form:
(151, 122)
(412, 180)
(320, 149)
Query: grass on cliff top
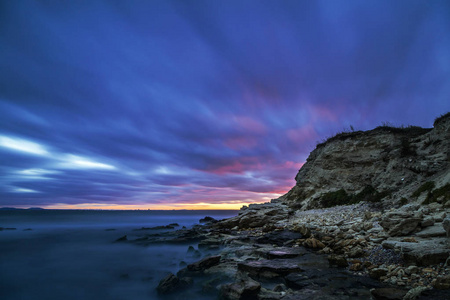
(441, 118)
(341, 197)
(408, 131)
(427, 186)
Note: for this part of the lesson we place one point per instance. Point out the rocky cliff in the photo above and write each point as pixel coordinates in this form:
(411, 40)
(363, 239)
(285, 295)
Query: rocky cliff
(390, 165)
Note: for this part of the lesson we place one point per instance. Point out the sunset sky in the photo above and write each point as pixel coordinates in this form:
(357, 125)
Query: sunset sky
(202, 104)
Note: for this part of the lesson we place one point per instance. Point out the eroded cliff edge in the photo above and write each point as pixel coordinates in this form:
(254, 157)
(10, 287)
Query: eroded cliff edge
(386, 164)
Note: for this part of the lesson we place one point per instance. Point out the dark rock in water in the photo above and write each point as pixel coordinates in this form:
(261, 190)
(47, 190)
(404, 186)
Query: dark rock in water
(388, 294)
(8, 228)
(442, 283)
(297, 280)
(279, 238)
(337, 260)
(110, 229)
(208, 219)
(191, 249)
(172, 283)
(242, 290)
(122, 239)
(156, 228)
(376, 273)
(27, 229)
(182, 264)
(269, 268)
(285, 253)
(174, 224)
(204, 264)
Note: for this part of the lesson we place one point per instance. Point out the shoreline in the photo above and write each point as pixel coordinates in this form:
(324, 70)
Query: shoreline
(271, 252)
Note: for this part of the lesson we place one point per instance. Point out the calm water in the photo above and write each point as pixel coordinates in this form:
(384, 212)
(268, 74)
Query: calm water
(71, 254)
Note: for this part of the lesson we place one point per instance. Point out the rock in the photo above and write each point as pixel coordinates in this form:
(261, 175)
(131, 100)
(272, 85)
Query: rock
(208, 219)
(285, 253)
(263, 268)
(432, 231)
(305, 231)
(172, 283)
(356, 252)
(313, 243)
(442, 282)
(155, 228)
(241, 290)
(376, 273)
(337, 260)
(414, 293)
(204, 264)
(279, 237)
(427, 221)
(388, 294)
(356, 267)
(122, 239)
(400, 223)
(446, 225)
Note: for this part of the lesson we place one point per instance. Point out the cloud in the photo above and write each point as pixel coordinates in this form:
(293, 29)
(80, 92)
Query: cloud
(207, 102)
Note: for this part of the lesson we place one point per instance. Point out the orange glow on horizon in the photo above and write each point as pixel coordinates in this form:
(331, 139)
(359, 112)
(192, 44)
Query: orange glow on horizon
(172, 206)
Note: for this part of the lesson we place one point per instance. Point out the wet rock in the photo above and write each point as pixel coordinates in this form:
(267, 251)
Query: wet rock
(172, 283)
(376, 273)
(208, 219)
(122, 239)
(285, 253)
(264, 268)
(155, 228)
(388, 294)
(245, 289)
(337, 260)
(442, 283)
(414, 293)
(279, 237)
(204, 264)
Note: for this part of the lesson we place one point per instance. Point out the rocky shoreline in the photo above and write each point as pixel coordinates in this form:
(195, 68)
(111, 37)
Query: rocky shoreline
(270, 251)
(367, 218)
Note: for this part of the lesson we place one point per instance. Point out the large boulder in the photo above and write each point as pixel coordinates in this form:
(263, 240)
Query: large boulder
(400, 223)
(204, 264)
(172, 283)
(245, 289)
(269, 268)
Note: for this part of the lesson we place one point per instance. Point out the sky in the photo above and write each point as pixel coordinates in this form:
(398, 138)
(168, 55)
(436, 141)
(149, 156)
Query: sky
(202, 104)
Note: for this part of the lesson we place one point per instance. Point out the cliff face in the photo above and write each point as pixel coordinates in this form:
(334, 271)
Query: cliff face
(393, 162)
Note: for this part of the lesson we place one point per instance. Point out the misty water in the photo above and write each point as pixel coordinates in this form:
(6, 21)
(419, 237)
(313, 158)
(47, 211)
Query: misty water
(72, 254)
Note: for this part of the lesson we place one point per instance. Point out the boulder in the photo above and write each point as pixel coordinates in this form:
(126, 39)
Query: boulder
(204, 264)
(442, 283)
(262, 268)
(337, 260)
(241, 290)
(432, 231)
(376, 273)
(172, 283)
(400, 223)
(388, 294)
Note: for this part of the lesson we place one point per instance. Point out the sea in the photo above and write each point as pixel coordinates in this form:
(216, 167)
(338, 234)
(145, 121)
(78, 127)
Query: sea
(72, 254)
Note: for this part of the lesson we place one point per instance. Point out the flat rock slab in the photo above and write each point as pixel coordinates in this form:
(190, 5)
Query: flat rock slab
(204, 264)
(426, 252)
(291, 253)
(432, 231)
(279, 267)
